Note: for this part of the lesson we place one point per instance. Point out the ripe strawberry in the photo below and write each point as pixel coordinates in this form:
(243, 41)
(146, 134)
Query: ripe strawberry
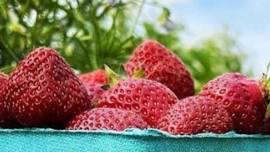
(160, 64)
(242, 97)
(194, 115)
(94, 83)
(106, 118)
(94, 92)
(43, 91)
(98, 76)
(148, 98)
(6, 120)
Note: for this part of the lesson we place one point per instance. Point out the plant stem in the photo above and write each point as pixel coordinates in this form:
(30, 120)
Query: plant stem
(94, 51)
(4, 47)
(112, 31)
(96, 36)
(137, 17)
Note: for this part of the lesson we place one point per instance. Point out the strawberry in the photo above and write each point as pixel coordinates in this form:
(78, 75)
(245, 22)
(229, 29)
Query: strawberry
(94, 92)
(99, 76)
(43, 91)
(158, 63)
(196, 114)
(6, 120)
(148, 98)
(94, 83)
(242, 97)
(106, 118)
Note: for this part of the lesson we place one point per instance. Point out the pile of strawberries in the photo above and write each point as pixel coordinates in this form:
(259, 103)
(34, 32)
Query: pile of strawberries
(158, 92)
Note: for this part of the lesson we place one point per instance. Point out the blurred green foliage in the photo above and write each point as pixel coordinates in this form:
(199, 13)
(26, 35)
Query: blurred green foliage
(90, 34)
(87, 33)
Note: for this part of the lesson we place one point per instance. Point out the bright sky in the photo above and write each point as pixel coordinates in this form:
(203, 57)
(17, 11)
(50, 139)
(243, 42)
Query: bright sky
(249, 20)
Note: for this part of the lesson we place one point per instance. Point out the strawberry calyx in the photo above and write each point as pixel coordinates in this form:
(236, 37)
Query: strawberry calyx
(3, 74)
(138, 74)
(113, 77)
(265, 84)
(267, 114)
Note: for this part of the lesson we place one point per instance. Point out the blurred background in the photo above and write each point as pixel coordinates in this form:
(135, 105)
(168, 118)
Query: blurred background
(211, 37)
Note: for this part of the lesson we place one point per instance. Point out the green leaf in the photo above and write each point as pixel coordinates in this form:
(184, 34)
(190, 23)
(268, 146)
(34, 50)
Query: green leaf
(164, 16)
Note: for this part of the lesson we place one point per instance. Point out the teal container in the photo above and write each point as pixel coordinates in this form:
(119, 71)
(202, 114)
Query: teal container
(131, 140)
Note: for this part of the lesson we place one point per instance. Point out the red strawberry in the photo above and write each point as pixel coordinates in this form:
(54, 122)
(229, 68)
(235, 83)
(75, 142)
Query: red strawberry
(160, 64)
(106, 118)
(94, 83)
(98, 76)
(242, 97)
(194, 115)
(149, 98)
(94, 92)
(43, 90)
(6, 120)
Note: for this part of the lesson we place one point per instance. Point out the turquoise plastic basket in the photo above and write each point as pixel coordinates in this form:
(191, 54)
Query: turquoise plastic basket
(131, 140)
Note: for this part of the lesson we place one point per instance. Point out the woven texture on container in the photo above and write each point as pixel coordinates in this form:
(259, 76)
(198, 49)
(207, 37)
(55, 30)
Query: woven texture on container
(132, 140)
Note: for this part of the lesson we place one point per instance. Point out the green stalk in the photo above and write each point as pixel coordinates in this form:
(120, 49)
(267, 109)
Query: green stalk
(94, 51)
(96, 37)
(137, 17)
(265, 83)
(4, 47)
(112, 31)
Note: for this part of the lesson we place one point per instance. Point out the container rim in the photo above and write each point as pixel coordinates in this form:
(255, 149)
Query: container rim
(131, 132)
